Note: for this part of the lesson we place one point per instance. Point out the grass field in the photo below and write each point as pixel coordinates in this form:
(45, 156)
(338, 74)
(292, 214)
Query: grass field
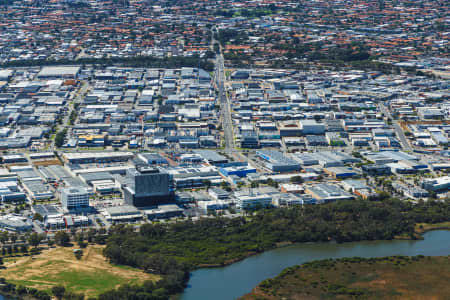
(92, 274)
(356, 278)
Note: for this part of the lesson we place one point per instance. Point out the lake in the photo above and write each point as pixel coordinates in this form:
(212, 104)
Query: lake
(238, 279)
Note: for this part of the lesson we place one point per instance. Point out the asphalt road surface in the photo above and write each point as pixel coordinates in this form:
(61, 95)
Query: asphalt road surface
(398, 130)
(225, 111)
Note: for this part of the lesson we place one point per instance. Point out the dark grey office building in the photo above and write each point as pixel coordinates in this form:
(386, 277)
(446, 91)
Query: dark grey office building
(147, 187)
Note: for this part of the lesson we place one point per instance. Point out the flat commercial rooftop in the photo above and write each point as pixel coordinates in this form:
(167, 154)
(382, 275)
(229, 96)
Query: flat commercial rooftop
(211, 156)
(122, 210)
(60, 71)
(5, 74)
(98, 155)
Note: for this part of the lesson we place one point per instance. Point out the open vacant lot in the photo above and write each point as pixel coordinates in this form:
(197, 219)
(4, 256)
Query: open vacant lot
(357, 278)
(92, 274)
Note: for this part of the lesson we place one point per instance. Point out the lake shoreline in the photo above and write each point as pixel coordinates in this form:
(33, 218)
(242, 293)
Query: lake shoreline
(246, 274)
(348, 276)
(417, 234)
(421, 229)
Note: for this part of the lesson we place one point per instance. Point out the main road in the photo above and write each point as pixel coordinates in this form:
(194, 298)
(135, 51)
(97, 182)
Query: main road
(76, 98)
(397, 128)
(225, 110)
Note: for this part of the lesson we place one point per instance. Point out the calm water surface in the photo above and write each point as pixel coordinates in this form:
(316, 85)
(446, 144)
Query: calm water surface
(240, 278)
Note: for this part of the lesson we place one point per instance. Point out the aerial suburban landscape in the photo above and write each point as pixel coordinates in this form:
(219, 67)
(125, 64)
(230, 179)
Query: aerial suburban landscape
(215, 150)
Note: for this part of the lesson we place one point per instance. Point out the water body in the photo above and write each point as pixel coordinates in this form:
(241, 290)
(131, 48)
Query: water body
(238, 279)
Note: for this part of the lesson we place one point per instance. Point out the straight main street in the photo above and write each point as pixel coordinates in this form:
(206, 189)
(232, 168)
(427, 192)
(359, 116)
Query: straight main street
(77, 98)
(225, 111)
(398, 130)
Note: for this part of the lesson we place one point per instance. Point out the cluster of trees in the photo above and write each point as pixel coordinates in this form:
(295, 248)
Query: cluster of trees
(382, 67)
(173, 249)
(226, 35)
(162, 289)
(353, 56)
(256, 13)
(60, 292)
(216, 47)
(209, 54)
(39, 217)
(14, 244)
(224, 185)
(78, 4)
(346, 54)
(73, 117)
(297, 179)
(175, 272)
(248, 13)
(6, 237)
(35, 239)
(22, 292)
(221, 240)
(63, 238)
(14, 249)
(238, 59)
(19, 206)
(137, 61)
(314, 52)
(91, 236)
(60, 137)
(271, 182)
(18, 244)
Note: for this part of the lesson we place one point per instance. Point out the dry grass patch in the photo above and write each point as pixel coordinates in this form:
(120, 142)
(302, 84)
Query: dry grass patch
(381, 278)
(424, 227)
(92, 274)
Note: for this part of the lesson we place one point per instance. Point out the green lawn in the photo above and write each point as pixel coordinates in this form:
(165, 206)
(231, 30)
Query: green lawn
(79, 281)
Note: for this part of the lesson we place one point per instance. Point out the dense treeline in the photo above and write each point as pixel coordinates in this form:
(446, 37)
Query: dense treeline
(10, 289)
(60, 137)
(173, 249)
(248, 13)
(340, 54)
(221, 240)
(314, 52)
(368, 65)
(238, 59)
(227, 35)
(138, 61)
(160, 290)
